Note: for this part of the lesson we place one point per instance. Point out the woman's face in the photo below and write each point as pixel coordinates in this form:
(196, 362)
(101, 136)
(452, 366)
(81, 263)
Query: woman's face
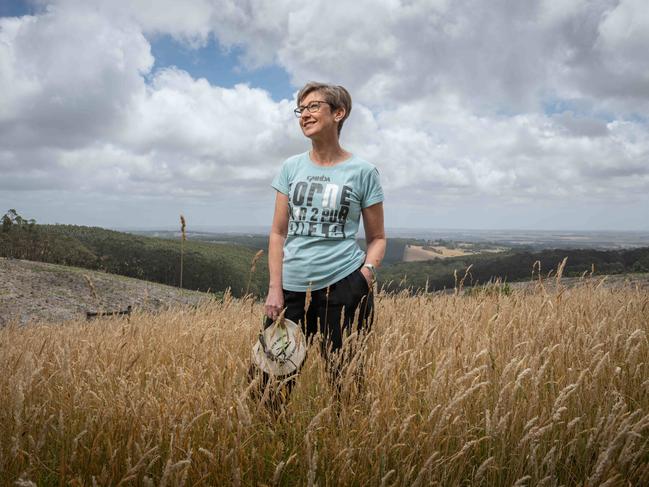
(321, 121)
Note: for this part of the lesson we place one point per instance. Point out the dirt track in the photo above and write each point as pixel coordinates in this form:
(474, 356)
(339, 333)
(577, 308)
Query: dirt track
(35, 291)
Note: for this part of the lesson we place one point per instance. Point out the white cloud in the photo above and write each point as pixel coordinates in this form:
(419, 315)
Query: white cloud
(68, 77)
(450, 98)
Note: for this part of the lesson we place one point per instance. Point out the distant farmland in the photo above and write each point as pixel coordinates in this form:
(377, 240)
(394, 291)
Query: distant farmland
(416, 253)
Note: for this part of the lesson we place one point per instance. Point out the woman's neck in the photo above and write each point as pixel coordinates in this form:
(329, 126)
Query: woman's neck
(328, 153)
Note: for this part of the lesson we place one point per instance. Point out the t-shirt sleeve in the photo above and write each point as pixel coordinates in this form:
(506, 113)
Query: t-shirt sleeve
(373, 191)
(280, 182)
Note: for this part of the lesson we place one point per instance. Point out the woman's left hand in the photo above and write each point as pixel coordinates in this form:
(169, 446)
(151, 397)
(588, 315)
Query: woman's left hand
(367, 274)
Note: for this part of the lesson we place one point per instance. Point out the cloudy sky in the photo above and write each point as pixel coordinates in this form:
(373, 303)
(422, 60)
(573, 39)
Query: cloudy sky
(479, 114)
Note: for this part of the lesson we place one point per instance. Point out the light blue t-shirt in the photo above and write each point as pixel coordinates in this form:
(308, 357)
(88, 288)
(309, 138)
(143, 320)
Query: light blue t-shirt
(325, 205)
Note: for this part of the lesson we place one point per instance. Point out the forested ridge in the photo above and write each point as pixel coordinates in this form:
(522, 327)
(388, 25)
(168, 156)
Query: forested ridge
(206, 266)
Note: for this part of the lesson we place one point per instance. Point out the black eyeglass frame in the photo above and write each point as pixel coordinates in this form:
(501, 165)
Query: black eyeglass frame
(298, 111)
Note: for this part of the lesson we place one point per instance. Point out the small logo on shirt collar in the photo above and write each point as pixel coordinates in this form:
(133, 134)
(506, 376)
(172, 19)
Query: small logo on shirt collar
(318, 178)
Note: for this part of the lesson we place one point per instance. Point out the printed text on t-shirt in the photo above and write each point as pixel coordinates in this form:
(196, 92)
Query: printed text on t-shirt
(327, 219)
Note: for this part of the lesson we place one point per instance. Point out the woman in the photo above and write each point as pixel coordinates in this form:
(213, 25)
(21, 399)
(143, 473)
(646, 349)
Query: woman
(321, 196)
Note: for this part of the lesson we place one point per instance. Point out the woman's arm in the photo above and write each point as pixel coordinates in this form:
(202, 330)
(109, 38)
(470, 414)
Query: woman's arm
(279, 229)
(375, 238)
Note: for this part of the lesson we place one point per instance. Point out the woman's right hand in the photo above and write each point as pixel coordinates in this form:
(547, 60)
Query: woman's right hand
(274, 303)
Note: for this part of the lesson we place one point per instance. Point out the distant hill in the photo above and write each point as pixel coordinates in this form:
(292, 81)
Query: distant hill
(207, 266)
(511, 266)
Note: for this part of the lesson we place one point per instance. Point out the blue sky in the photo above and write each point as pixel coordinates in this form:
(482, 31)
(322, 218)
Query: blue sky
(15, 8)
(220, 66)
(477, 115)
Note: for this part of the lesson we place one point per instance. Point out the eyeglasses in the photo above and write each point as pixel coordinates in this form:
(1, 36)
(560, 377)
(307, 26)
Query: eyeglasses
(312, 107)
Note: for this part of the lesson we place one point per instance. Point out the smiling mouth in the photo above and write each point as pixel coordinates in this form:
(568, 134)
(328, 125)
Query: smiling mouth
(307, 124)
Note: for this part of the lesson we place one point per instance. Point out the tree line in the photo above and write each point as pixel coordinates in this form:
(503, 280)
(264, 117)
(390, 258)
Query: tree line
(207, 266)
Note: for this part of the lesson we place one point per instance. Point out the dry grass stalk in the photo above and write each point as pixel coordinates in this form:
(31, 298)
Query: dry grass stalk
(92, 288)
(183, 237)
(253, 268)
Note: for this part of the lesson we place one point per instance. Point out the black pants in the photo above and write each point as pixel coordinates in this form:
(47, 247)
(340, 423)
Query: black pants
(332, 311)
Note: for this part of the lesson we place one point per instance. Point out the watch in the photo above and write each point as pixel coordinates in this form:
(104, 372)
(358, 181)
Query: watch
(372, 268)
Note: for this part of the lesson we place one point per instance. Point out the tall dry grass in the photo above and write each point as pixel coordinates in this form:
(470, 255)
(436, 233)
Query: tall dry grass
(535, 388)
(183, 237)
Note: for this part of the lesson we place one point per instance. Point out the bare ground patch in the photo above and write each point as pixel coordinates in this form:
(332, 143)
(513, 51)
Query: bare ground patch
(41, 292)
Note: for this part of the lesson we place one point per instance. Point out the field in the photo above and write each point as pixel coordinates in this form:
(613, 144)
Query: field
(544, 386)
(415, 253)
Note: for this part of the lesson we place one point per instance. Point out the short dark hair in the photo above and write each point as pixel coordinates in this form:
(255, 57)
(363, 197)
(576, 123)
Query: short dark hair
(336, 96)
